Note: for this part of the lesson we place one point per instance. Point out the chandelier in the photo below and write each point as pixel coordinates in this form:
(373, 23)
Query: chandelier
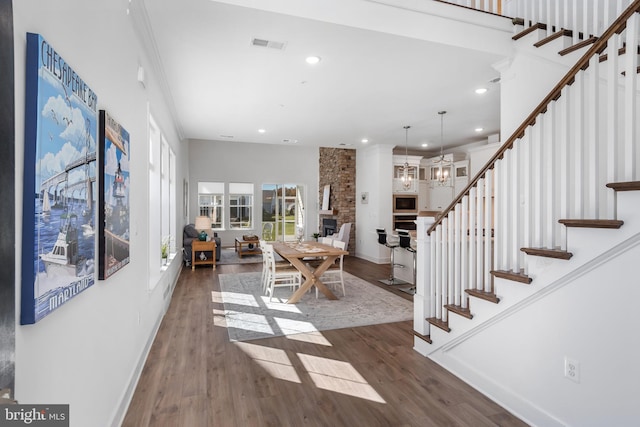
(406, 178)
(443, 166)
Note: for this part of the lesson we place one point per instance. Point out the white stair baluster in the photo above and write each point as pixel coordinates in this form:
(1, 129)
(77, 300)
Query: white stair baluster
(564, 165)
(514, 207)
(575, 23)
(630, 100)
(437, 283)
(577, 151)
(525, 150)
(488, 224)
(451, 258)
(536, 188)
(550, 17)
(549, 176)
(473, 231)
(464, 249)
(457, 258)
(481, 197)
(613, 112)
(592, 137)
(433, 275)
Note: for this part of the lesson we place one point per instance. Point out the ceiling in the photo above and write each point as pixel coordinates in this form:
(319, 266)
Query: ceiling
(367, 85)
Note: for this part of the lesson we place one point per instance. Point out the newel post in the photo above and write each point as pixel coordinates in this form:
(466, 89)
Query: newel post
(423, 296)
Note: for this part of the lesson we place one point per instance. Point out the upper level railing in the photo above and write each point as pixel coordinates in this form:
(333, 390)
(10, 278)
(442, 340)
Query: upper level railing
(585, 18)
(555, 165)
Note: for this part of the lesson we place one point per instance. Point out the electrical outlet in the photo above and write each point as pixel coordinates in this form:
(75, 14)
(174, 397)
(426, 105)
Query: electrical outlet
(572, 369)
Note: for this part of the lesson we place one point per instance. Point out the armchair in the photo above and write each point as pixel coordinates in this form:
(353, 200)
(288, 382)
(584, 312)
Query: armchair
(189, 234)
(343, 234)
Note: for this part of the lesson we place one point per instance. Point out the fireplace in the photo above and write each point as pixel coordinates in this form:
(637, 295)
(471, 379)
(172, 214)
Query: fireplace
(329, 226)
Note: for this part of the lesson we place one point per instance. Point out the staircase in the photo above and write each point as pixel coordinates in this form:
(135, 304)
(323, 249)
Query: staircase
(520, 274)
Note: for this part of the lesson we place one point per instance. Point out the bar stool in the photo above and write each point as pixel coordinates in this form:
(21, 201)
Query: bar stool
(392, 242)
(405, 242)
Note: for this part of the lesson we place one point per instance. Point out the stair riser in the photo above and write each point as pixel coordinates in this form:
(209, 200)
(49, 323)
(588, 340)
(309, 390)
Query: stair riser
(511, 292)
(628, 205)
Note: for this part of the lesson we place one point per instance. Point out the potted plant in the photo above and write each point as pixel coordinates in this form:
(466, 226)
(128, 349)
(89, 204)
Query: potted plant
(164, 248)
(315, 236)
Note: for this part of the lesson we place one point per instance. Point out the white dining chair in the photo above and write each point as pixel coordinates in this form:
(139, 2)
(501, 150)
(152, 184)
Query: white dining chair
(278, 274)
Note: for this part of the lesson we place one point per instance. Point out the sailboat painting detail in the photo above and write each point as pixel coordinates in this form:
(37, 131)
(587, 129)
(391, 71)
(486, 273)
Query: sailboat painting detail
(113, 197)
(59, 178)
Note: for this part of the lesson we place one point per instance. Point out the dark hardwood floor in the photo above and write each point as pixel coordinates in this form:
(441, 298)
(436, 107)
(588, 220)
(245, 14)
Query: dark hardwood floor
(365, 376)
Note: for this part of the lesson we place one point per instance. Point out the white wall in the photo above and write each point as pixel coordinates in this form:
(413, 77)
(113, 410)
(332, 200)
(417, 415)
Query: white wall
(519, 360)
(524, 82)
(375, 176)
(222, 161)
(88, 352)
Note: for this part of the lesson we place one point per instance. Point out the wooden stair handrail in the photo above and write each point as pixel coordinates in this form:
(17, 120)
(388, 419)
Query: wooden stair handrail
(583, 63)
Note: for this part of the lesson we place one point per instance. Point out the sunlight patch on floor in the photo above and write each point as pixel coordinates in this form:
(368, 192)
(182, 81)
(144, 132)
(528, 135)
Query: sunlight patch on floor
(219, 319)
(337, 376)
(311, 338)
(290, 326)
(279, 304)
(234, 298)
(273, 360)
(253, 322)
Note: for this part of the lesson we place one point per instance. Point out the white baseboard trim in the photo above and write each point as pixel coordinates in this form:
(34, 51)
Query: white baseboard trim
(125, 401)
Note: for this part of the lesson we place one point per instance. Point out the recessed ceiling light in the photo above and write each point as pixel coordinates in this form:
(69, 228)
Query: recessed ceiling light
(290, 141)
(481, 90)
(312, 60)
(261, 131)
(425, 145)
(365, 140)
(479, 129)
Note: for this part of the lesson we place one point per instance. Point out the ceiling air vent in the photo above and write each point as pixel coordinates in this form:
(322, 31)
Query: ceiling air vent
(268, 43)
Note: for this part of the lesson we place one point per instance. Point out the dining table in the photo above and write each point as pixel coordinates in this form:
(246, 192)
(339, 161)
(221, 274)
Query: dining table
(296, 252)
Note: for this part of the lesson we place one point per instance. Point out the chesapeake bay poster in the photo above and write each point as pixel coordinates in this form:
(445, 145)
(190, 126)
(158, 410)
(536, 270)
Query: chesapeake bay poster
(59, 179)
(113, 200)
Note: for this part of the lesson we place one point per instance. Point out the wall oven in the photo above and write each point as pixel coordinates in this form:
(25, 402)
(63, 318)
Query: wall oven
(405, 203)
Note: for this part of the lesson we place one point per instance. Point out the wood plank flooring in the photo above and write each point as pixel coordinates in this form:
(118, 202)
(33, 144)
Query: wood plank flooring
(365, 376)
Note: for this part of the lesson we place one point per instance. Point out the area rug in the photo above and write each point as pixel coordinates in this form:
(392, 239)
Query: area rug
(249, 315)
(230, 256)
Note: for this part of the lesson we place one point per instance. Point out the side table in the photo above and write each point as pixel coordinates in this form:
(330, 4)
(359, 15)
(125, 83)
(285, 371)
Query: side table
(198, 246)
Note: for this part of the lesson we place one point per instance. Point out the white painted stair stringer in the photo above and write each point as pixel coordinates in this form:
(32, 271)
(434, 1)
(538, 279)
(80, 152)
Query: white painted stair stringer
(587, 245)
(515, 352)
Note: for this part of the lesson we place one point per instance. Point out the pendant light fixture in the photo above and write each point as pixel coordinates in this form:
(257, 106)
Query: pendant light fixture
(406, 178)
(443, 166)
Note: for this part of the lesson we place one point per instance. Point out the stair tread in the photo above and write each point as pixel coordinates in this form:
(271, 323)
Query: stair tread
(458, 309)
(439, 324)
(578, 46)
(512, 275)
(487, 296)
(552, 37)
(592, 223)
(549, 253)
(426, 338)
(625, 186)
(531, 29)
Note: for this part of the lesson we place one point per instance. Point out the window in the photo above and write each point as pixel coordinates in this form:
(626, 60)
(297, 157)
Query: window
(240, 206)
(162, 199)
(211, 202)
